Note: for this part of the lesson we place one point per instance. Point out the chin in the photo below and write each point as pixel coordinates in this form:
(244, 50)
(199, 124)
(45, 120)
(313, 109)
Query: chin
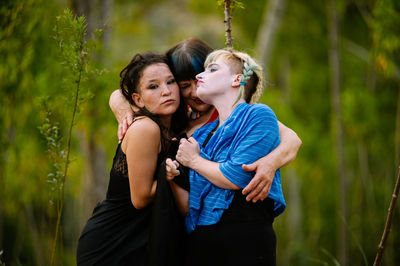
(206, 102)
(202, 107)
(171, 110)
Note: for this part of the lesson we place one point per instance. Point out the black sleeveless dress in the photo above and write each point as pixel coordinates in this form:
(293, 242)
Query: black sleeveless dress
(119, 234)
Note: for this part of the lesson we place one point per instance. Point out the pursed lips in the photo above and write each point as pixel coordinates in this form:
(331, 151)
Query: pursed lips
(169, 101)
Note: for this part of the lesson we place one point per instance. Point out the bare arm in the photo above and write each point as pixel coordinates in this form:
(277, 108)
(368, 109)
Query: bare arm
(181, 195)
(141, 155)
(123, 111)
(287, 150)
(266, 167)
(189, 155)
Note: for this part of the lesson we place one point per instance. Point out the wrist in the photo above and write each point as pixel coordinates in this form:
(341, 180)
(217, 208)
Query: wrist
(196, 160)
(271, 161)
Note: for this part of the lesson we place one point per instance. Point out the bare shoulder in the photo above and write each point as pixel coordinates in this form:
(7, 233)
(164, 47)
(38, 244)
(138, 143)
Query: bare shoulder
(144, 125)
(142, 131)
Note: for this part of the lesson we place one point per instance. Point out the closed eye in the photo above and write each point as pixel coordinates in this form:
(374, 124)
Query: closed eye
(184, 85)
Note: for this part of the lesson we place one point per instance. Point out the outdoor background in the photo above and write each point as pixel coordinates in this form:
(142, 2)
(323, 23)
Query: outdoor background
(332, 71)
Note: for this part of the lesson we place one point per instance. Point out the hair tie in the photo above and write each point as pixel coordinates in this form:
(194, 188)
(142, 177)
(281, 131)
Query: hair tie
(242, 83)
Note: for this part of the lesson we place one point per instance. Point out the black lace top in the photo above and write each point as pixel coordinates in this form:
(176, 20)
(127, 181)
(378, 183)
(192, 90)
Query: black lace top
(119, 234)
(118, 186)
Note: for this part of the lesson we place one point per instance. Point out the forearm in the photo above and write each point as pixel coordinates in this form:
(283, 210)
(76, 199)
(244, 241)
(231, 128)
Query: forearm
(119, 105)
(287, 150)
(210, 170)
(181, 197)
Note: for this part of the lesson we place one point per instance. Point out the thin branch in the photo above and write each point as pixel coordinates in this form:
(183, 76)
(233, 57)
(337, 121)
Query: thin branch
(386, 231)
(227, 21)
(61, 206)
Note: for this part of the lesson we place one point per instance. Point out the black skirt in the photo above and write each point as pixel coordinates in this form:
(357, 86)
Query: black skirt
(243, 236)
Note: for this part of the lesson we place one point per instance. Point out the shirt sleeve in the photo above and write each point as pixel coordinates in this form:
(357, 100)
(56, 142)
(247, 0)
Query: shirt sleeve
(257, 136)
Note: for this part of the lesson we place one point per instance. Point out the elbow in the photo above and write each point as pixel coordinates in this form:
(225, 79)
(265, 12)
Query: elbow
(292, 140)
(185, 211)
(227, 184)
(298, 142)
(139, 203)
(234, 187)
(113, 99)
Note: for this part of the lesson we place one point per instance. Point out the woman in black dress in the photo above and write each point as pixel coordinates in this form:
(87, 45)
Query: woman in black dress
(125, 228)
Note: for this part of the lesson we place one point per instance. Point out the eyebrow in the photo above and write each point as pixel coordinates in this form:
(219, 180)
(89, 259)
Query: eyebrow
(212, 64)
(153, 80)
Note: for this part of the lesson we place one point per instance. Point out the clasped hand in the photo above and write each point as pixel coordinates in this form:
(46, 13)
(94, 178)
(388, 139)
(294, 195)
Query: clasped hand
(188, 152)
(257, 190)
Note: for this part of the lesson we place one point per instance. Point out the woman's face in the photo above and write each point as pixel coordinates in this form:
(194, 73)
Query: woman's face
(188, 90)
(215, 80)
(158, 90)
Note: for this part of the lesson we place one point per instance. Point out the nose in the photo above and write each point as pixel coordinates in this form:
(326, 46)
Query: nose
(192, 89)
(199, 76)
(166, 90)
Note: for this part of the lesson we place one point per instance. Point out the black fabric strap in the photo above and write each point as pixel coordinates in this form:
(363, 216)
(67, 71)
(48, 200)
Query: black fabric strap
(209, 136)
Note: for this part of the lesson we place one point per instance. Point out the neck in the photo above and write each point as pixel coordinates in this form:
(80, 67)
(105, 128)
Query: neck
(225, 107)
(166, 121)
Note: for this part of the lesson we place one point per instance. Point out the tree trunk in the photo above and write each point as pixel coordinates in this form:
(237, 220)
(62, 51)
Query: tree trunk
(96, 12)
(335, 73)
(267, 31)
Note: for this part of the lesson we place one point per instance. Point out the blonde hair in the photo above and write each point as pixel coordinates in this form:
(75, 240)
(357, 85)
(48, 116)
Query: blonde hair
(241, 63)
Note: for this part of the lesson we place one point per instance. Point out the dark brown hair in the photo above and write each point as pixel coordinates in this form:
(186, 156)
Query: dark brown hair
(129, 83)
(132, 73)
(187, 58)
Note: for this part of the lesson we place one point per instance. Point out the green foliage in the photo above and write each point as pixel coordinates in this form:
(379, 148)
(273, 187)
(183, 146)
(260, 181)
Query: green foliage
(233, 4)
(57, 154)
(38, 78)
(70, 32)
(386, 36)
(74, 51)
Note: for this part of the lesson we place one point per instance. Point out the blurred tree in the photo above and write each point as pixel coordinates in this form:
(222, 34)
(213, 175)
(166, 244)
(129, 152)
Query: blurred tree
(267, 31)
(335, 81)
